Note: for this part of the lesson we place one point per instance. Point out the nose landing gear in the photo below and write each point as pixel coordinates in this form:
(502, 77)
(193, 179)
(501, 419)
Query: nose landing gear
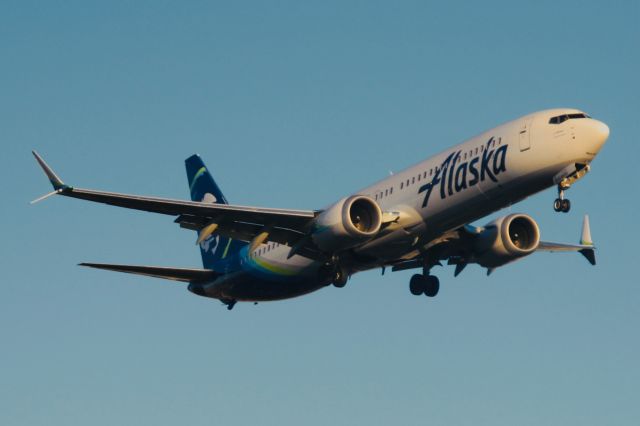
(562, 204)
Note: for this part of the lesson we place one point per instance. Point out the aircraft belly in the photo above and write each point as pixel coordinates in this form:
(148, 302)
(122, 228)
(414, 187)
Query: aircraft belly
(247, 287)
(265, 279)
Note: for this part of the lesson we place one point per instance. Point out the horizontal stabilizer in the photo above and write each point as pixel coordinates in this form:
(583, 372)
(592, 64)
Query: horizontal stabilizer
(175, 274)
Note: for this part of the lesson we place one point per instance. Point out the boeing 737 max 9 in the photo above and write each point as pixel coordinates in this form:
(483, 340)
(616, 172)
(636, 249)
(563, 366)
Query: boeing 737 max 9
(414, 219)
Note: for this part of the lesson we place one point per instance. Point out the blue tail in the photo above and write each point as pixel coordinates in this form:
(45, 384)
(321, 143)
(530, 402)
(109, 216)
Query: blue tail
(203, 188)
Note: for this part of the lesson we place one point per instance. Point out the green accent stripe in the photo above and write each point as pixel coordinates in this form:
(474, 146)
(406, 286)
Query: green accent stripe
(226, 249)
(274, 269)
(199, 173)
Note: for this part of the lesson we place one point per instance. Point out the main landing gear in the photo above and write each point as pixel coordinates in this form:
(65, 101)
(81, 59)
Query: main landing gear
(229, 302)
(424, 284)
(334, 273)
(562, 204)
(340, 277)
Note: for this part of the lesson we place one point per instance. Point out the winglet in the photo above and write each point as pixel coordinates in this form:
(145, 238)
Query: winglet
(585, 240)
(53, 178)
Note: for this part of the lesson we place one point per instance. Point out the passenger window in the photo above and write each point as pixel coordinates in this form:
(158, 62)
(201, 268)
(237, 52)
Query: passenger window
(391, 191)
(386, 192)
(401, 185)
(413, 180)
(407, 182)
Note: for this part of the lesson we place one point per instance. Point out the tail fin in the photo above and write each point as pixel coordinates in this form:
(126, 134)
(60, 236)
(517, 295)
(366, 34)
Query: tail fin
(203, 188)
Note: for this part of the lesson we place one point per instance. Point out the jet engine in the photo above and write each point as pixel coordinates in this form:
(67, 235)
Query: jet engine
(506, 239)
(347, 223)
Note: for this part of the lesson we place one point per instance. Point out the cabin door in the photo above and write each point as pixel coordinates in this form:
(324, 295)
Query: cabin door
(525, 134)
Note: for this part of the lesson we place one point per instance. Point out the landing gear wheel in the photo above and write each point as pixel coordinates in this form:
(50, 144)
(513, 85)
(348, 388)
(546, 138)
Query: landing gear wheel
(566, 205)
(424, 284)
(557, 205)
(432, 286)
(340, 278)
(416, 285)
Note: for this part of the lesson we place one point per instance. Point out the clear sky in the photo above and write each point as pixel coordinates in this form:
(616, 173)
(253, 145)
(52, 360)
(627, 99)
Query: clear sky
(294, 104)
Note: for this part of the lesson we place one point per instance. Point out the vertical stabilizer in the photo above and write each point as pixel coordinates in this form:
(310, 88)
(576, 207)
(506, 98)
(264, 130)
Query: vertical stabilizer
(202, 187)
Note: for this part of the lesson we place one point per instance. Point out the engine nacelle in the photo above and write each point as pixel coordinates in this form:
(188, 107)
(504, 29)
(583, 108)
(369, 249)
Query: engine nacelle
(347, 223)
(506, 239)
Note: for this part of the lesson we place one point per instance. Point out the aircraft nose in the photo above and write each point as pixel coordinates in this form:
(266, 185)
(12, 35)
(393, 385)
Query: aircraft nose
(599, 134)
(602, 131)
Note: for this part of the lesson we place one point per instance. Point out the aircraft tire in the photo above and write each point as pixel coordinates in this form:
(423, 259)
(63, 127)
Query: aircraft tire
(557, 205)
(416, 285)
(432, 286)
(340, 278)
(566, 205)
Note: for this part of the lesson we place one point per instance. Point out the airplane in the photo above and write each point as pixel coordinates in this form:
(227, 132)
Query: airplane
(414, 219)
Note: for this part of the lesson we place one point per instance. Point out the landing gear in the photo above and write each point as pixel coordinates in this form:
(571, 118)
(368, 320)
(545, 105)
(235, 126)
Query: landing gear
(432, 287)
(424, 284)
(340, 277)
(230, 303)
(562, 204)
(416, 285)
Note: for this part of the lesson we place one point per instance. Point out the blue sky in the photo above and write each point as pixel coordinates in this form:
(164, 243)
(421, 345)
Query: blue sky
(294, 104)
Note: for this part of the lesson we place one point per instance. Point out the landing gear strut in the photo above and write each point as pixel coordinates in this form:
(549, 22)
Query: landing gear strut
(424, 284)
(562, 204)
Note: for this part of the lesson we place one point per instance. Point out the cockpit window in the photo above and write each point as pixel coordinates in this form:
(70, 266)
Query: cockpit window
(562, 118)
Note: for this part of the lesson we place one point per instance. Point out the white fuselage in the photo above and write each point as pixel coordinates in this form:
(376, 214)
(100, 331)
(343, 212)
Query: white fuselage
(459, 185)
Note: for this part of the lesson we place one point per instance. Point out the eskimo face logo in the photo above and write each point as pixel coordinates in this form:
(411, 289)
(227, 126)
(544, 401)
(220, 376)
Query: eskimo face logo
(209, 198)
(454, 177)
(210, 243)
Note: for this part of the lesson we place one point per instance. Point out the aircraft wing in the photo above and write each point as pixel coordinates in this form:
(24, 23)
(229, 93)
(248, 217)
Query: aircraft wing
(295, 219)
(585, 248)
(456, 247)
(284, 226)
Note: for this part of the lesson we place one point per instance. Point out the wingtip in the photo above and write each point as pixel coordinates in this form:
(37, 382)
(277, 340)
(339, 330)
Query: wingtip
(585, 237)
(590, 255)
(53, 178)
